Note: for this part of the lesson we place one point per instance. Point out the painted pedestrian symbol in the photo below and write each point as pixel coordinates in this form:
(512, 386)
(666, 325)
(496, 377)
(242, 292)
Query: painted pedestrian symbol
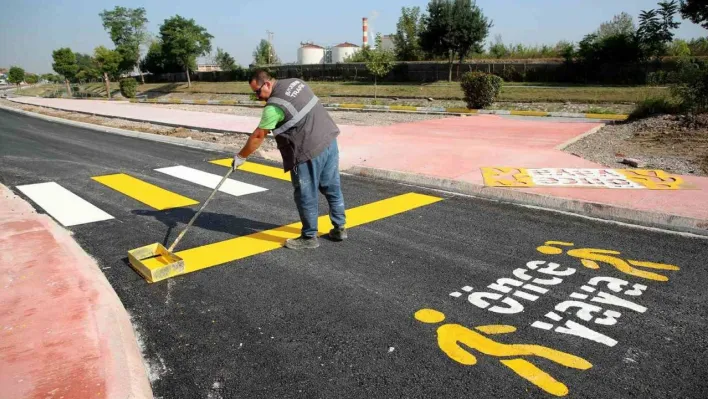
(590, 257)
(452, 337)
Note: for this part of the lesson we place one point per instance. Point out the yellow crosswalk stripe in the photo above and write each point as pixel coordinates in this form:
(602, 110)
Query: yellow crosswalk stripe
(265, 170)
(149, 194)
(242, 247)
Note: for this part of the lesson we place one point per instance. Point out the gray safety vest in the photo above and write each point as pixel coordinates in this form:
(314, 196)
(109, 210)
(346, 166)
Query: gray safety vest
(307, 128)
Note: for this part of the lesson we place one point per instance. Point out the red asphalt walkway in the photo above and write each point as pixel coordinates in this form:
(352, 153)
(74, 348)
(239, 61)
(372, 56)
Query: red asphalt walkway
(450, 148)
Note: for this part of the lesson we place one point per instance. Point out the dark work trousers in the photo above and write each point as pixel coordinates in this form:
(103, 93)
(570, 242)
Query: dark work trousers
(319, 174)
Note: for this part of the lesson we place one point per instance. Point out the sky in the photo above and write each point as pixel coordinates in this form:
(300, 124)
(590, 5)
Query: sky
(32, 29)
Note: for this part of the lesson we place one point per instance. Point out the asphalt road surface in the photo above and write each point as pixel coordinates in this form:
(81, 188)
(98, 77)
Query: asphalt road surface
(434, 295)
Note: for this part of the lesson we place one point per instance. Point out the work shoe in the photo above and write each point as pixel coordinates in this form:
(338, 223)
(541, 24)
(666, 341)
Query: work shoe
(338, 234)
(302, 243)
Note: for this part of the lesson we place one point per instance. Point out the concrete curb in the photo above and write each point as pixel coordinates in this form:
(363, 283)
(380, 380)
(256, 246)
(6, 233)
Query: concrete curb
(397, 108)
(585, 208)
(518, 196)
(107, 331)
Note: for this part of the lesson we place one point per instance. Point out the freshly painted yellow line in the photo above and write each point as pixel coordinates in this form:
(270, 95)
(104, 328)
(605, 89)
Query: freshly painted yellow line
(147, 193)
(607, 116)
(461, 110)
(242, 247)
(265, 170)
(402, 108)
(530, 113)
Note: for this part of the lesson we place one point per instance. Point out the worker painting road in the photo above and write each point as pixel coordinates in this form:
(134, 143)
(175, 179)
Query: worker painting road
(432, 295)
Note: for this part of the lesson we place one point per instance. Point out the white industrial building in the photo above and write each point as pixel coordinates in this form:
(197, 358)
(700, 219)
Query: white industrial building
(343, 51)
(309, 53)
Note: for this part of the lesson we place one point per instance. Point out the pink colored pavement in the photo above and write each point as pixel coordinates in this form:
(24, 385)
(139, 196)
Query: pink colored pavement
(449, 148)
(64, 332)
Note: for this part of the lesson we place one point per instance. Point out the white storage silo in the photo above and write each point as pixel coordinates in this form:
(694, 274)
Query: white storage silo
(310, 53)
(343, 51)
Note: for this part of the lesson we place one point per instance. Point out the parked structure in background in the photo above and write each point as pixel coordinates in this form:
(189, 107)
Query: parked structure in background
(208, 68)
(342, 51)
(310, 53)
(387, 43)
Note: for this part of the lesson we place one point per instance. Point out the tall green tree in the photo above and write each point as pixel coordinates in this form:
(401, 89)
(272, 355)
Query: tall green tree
(183, 41)
(264, 54)
(407, 37)
(621, 24)
(696, 11)
(225, 61)
(380, 62)
(16, 75)
(655, 28)
(108, 64)
(65, 65)
(452, 29)
(87, 68)
(128, 30)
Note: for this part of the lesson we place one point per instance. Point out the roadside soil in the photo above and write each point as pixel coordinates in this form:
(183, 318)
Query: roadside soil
(674, 143)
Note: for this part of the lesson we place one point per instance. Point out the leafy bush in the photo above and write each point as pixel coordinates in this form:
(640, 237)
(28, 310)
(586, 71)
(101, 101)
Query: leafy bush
(480, 89)
(128, 87)
(692, 88)
(655, 106)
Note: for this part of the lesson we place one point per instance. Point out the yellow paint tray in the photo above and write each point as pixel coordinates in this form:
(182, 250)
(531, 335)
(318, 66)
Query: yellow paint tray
(170, 264)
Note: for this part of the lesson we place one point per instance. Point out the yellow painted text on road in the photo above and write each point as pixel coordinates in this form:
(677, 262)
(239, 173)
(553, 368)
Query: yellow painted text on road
(149, 194)
(264, 170)
(242, 247)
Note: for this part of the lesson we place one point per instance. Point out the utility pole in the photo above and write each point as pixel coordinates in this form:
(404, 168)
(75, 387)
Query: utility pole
(270, 46)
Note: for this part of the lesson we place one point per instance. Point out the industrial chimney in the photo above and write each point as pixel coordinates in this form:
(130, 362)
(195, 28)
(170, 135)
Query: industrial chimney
(365, 28)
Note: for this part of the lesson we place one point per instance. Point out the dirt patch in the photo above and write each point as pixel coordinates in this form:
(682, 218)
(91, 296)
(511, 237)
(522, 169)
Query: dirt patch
(675, 143)
(236, 140)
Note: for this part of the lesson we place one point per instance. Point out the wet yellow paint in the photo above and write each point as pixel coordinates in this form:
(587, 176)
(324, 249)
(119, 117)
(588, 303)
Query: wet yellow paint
(455, 341)
(655, 179)
(264, 170)
(149, 194)
(403, 108)
(507, 177)
(530, 113)
(592, 257)
(242, 247)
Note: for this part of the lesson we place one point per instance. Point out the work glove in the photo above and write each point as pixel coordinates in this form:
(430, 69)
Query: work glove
(238, 161)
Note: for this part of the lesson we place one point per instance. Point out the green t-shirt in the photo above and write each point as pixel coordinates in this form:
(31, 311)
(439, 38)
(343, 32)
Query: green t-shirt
(271, 116)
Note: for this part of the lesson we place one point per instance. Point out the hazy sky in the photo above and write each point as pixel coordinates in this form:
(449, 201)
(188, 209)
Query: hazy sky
(31, 29)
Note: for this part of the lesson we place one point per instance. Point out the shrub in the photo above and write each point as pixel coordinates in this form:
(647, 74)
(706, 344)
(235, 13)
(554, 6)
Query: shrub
(128, 87)
(655, 106)
(692, 88)
(480, 89)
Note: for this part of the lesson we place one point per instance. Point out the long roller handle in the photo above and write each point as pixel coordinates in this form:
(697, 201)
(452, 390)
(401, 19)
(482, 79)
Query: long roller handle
(179, 237)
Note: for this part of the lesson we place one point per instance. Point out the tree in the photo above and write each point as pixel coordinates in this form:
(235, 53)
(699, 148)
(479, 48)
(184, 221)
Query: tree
(264, 54)
(107, 63)
(183, 41)
(16, 75)
(406, 39)
(65, 65)
(498, 49)
(87, 70)
(621, 24)
(127, 28)
(31, 78)
(696, 11)
(380, 62)
(655, 28)
(453, 28)
(225, 61)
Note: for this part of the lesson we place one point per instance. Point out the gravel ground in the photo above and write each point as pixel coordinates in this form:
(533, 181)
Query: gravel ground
(675, 144)
(522, 106)
(343, 117)
(235, 140)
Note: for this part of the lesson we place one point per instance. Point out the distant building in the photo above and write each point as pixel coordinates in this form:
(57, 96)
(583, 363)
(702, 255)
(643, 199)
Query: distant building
(343, 51)
(387, 42)
(208, 68)
(310, 53)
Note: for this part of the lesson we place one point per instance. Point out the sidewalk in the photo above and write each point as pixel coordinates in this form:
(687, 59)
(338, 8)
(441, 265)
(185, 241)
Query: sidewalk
(449, 152)
(65, 333)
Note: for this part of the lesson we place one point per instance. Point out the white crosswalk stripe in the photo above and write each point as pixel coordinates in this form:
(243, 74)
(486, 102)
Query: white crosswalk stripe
(66, 207)
(210, 180)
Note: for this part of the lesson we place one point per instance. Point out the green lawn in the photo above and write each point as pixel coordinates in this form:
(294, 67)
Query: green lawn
(442, 90)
